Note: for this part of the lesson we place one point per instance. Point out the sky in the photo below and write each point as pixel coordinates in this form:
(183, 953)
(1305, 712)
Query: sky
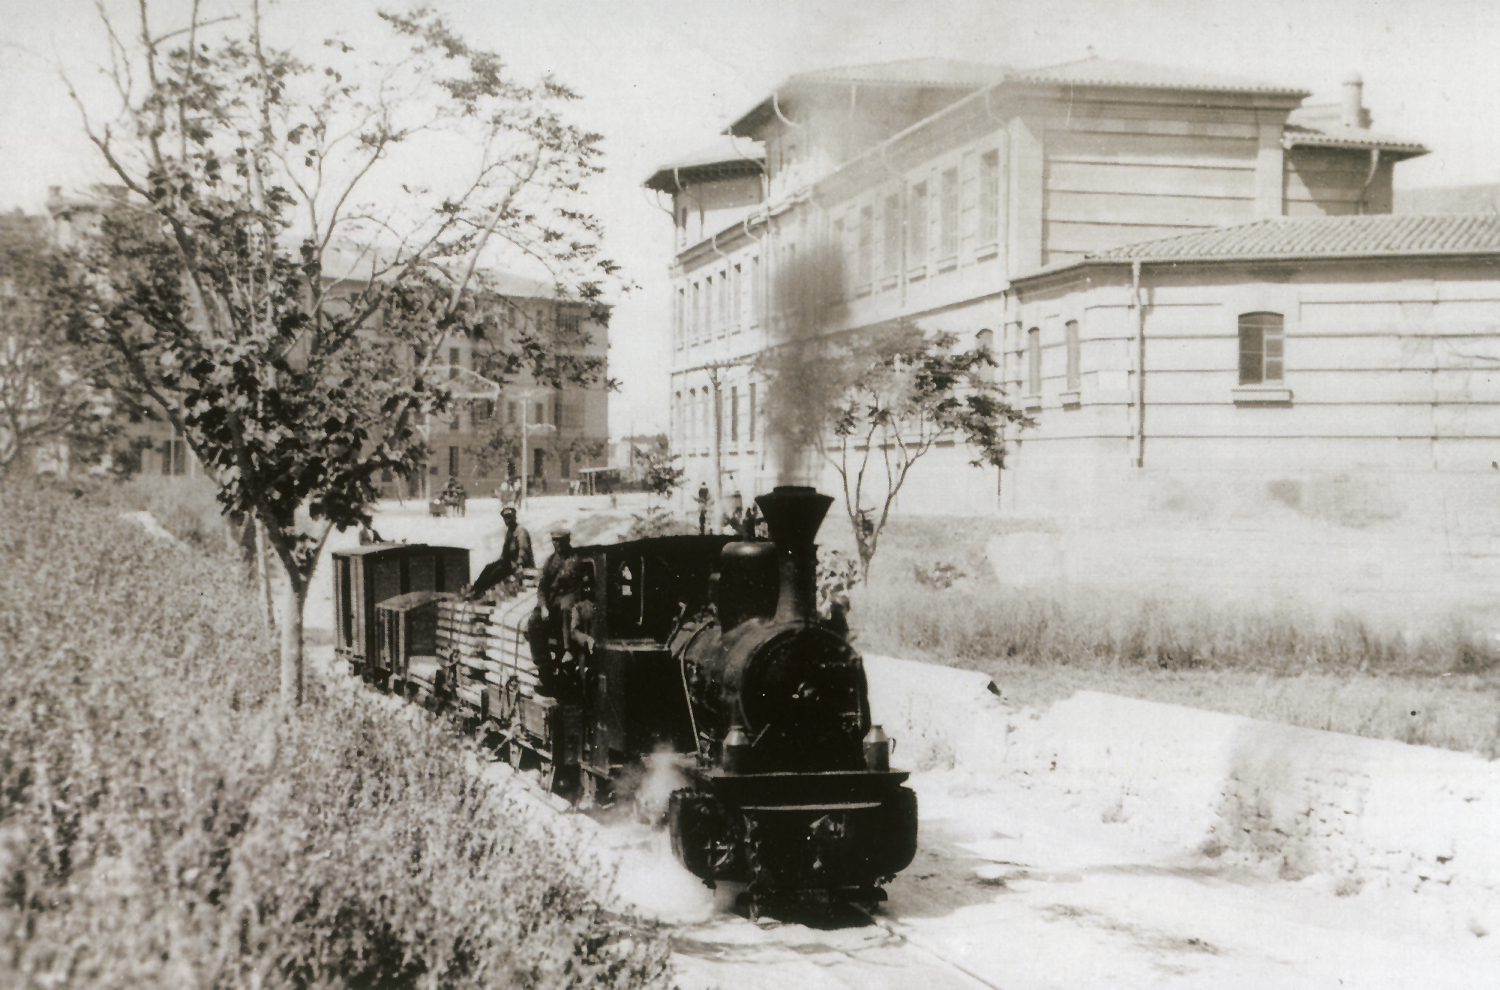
(661, 78)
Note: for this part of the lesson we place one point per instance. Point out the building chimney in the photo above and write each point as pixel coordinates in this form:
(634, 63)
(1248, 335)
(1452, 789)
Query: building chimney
(1352, 107)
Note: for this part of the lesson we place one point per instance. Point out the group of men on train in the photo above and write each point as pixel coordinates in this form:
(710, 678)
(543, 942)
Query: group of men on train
(557, 630)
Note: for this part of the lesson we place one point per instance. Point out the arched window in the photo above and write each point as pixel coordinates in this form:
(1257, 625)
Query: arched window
(1261, 349)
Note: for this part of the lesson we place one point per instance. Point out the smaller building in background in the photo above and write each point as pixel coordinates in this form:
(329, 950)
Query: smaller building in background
(1268, 353)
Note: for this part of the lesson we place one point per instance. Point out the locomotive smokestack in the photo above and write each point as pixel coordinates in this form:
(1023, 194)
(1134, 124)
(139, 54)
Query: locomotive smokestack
(793, 514)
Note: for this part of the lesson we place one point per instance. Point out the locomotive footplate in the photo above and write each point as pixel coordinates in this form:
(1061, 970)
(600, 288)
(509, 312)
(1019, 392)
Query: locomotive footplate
(781, 833)
(827, 790)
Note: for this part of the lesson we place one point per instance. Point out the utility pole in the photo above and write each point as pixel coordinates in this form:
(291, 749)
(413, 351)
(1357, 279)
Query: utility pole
(713, 368)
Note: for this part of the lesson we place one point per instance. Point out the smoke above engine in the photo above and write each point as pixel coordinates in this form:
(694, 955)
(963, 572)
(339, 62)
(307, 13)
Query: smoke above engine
(803, 386)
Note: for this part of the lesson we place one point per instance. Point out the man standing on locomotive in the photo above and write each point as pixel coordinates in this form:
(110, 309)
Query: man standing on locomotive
(558, 591)
(515, 555)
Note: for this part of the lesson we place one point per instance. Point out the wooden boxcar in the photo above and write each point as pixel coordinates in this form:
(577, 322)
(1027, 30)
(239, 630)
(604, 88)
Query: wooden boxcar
(367, 576)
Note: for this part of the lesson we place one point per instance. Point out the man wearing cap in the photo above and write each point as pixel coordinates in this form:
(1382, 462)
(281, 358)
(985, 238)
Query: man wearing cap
(515, 555)
(557, 590)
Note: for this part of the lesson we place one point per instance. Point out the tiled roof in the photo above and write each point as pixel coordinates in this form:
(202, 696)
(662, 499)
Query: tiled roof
(932, 72)
(926, 73)
(1344, 136)
(1121, 72)
(1314, 237)
(958, 75)
(347, 260)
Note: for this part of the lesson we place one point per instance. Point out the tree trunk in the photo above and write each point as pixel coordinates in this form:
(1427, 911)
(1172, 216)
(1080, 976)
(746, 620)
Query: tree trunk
(289, 603)
(262, 577)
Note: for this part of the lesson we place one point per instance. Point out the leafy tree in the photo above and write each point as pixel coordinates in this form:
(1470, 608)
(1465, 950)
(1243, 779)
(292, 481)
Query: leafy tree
(46, 399)
(494, 448)
(660, 474)
(873, 402)
(284, 265)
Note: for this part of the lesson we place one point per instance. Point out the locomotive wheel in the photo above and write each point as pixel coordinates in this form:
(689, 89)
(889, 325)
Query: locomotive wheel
(566, 782)
(595, 791)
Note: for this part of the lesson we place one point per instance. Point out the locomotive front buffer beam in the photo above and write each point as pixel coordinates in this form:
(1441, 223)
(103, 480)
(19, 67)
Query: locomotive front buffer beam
(835, 836)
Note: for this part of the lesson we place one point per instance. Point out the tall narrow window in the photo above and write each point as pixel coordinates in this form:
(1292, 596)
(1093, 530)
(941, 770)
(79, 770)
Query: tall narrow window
(453, 462)
(1070, 331)
(710, 317)
(948, 222)
(866, 258)
(697, 326)
(1261, 349)
(750, 425)
(734, 414)
(680, 318)
(916, 224)
(736, 296)
(1034, 361)
(724, 293)
(690, 416)
(989, 197)
(891, 262)
(538, 461)
(757, 290)
(452, 363)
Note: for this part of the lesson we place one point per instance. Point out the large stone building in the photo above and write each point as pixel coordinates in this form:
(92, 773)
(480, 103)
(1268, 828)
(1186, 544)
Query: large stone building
(1250, 380)
(940, 185)
(566, 428)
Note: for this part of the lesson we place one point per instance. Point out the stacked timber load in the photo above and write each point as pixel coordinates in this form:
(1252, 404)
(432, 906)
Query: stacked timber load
(484, 649)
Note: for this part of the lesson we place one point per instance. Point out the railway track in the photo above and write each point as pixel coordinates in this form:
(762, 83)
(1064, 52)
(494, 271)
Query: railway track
(906, 936)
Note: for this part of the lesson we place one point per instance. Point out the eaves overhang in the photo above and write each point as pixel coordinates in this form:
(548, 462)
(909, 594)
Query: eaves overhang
(1053, 274)
(673, 178)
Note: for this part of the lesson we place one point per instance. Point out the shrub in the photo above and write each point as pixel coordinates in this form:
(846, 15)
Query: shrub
(161, 823)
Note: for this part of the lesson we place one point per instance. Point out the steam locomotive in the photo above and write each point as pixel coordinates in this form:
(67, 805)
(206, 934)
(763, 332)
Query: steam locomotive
(699, 658)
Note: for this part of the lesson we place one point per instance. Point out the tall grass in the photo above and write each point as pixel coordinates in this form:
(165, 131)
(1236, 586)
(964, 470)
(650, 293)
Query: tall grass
(1284, 664)
(188, 508)
(161, 823)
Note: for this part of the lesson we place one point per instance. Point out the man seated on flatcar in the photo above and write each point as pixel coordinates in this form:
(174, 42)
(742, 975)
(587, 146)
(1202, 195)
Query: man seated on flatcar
(515, 556)
(550, 630)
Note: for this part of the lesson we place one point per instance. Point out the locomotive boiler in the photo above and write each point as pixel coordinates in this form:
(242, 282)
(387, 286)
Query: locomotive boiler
(703, 654)
(791, 788)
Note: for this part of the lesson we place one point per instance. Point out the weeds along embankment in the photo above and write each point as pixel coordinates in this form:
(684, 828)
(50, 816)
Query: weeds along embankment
(161, 823)
(931, 596)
